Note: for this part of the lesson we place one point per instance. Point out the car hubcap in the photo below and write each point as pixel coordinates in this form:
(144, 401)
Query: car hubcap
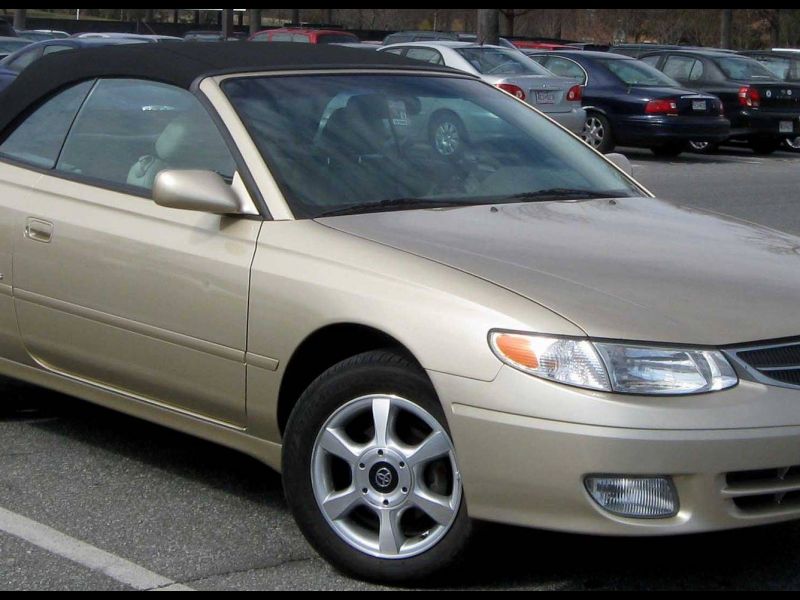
(385, 477)
(793, 143)
(447, 139)
(699, 146)
(594, 132)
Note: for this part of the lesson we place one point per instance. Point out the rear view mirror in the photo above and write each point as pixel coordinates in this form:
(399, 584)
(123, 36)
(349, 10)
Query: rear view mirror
(621, 161)
(200, 191)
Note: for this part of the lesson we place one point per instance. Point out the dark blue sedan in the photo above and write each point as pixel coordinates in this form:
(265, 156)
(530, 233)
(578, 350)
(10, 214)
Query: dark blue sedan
(14, 64)
(630, 103)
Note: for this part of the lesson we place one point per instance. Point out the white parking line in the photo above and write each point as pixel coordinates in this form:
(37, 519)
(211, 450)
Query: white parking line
(85, 554)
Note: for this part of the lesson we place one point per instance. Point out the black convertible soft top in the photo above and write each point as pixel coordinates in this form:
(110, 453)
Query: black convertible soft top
(181, 64)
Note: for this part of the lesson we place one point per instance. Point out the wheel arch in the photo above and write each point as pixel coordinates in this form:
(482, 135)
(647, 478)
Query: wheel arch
(323, 349)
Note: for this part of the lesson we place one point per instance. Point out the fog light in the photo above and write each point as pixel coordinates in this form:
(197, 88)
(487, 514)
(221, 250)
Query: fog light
(635, 497)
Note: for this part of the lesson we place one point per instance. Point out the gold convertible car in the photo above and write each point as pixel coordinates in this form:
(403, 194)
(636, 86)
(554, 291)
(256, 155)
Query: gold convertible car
(419, 298)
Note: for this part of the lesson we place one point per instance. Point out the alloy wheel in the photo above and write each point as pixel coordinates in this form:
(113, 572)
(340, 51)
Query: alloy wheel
(385, 477)
(594, 132)
(447, 138)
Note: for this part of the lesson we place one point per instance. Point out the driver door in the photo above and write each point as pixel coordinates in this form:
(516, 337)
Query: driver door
(115, 291)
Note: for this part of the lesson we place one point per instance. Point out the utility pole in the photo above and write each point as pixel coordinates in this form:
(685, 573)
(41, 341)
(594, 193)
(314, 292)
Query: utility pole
(20, 17)
(255, 20)
(489, 26)
(726, 36)
(295, 17)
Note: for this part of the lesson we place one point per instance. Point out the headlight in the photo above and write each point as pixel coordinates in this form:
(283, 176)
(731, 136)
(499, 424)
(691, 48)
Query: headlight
(621, 368)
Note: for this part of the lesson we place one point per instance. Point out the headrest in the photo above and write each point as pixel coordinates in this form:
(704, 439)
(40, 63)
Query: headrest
(369, 106)
(185, 137)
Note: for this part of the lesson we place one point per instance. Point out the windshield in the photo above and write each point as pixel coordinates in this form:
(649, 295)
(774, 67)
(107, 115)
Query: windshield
(743, 69)
(363, 143)
(501, 61)
(13, 45)
(637, 73)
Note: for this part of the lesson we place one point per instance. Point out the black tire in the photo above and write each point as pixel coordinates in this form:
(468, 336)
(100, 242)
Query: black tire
(379, 372)
(792, 144)
(449, 143)
(603, 143)
(765, 147)
(669, 150)
(703, 147)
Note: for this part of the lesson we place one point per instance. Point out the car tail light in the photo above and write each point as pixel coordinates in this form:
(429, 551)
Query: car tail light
(662, 107)
(575, 94)
(512, 89)
(749, 97)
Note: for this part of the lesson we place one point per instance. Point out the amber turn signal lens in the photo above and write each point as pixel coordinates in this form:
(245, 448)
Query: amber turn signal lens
(518, 349)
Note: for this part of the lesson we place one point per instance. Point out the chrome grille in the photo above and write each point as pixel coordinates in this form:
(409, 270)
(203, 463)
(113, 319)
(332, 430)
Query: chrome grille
(777, 364)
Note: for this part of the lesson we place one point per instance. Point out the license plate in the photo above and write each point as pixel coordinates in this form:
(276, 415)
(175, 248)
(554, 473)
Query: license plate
(700, 105)
(545, 98)
(787, 126)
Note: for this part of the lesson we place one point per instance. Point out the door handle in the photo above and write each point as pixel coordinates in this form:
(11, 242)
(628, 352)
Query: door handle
(39, 231)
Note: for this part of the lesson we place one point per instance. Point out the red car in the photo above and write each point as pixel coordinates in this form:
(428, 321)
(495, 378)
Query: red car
(532, 45)
(305, 36)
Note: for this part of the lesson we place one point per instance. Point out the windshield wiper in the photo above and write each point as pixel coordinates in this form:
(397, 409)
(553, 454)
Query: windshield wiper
(558, 194)
(389, 205)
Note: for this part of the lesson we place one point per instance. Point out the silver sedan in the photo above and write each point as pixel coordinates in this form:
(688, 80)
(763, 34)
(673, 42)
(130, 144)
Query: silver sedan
(509, 70)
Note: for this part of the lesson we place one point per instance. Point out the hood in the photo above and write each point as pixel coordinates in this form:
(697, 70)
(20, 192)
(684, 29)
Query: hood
(634, 268)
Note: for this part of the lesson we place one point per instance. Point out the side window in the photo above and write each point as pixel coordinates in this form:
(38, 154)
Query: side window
(281, 37)
(679, 67)
(300, 38)
(53, 49)
(651, 60)
(397, 51)
(566, 68)
(128, 131)
(39, 138)
(20, 63)
(261, 37)
(697, 71)
(425, 55)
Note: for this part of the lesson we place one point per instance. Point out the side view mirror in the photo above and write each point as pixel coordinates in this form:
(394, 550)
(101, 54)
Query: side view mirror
(200, 191)
(621, 161)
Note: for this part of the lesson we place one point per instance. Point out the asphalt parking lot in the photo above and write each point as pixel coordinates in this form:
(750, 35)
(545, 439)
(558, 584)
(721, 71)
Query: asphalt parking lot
(101, 501)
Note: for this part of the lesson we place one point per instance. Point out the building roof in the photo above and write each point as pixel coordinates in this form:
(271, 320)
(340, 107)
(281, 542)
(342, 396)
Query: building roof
(183, 64)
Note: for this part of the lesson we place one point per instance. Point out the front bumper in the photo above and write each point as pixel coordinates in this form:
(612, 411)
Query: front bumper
(530, 471)
(651, 130)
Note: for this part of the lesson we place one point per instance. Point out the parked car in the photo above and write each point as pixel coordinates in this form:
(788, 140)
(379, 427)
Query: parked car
(14, 64)
(639, 50)
(212, 36)
(507, 69)
(127, 36)
(9, 45)
(764, 111)
(305, 36)
(629, 103)
(407, 37)
(785, 65)
(40, 35)
(523, 335)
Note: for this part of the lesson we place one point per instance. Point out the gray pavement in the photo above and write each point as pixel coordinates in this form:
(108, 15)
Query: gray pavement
(212, 519)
